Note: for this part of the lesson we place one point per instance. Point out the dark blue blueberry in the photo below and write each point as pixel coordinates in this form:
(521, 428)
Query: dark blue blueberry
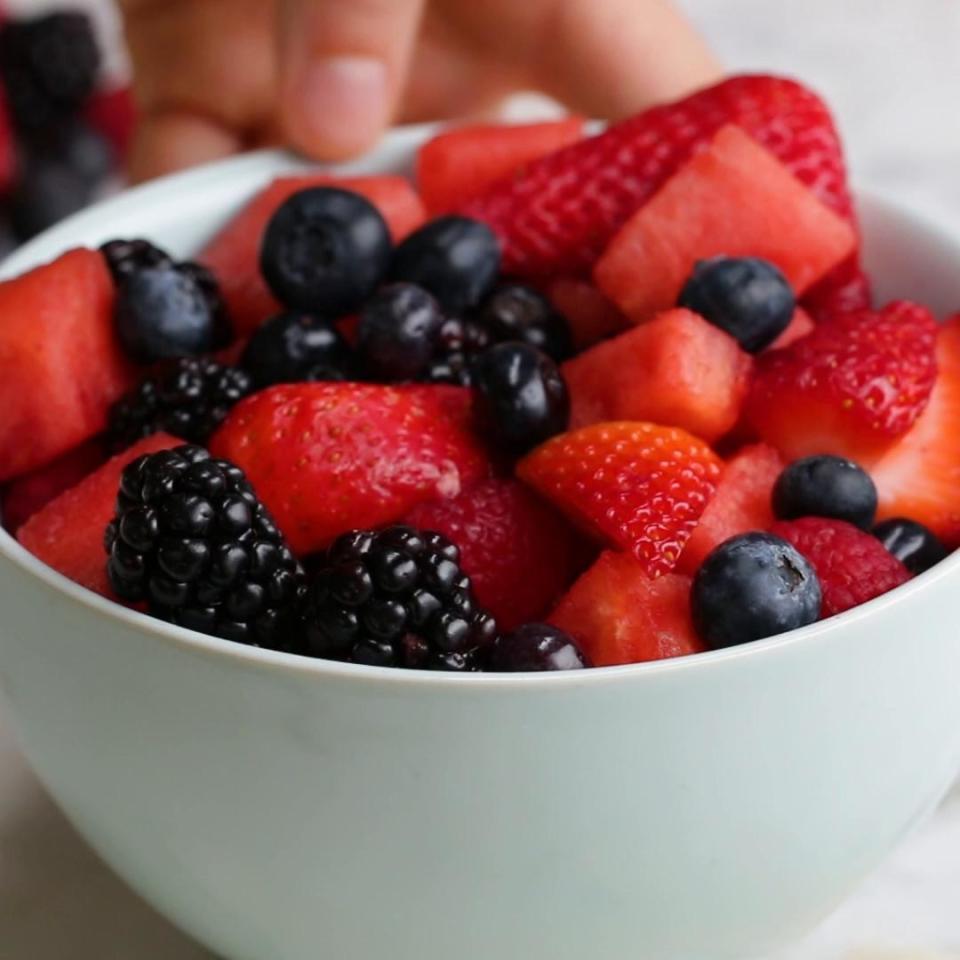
(521, 398)
(398, 332)
(748, 297)
(753, 586)
(457, 259)
(297, 347)
(325, 251)
(536, 646)
(826, 486)
(515, 311)
(162, 313)
(916, 547)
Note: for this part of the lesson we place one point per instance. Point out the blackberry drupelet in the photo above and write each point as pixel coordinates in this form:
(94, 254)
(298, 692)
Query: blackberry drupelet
(191, 539)
(396, 598)
(458, 342)
(190, 400)
(125, 257)
(514, 311)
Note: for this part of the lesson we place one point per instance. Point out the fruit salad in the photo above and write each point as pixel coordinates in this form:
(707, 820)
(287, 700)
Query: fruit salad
(561, 401)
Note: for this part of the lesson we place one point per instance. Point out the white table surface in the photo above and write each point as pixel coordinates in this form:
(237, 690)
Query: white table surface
(890, 68)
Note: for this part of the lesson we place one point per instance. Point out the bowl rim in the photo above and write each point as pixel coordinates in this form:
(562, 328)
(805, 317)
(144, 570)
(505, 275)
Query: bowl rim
(239, 654)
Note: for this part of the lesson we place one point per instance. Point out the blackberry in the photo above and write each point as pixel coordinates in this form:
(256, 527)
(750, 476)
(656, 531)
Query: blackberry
(536, 647)
(49, 66)
(190, 400)
(192, 541)
(514, 311)
(396, 598)
(125, 257)
(458, 342)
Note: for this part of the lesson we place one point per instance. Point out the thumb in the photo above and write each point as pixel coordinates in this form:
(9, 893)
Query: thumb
(343, 64)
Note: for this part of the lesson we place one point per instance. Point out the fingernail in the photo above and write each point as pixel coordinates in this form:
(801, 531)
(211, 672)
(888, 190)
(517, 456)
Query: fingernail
(338, 105)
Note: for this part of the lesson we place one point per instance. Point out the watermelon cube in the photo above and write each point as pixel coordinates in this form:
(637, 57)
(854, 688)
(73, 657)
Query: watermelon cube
(617, 614)
(234, 253)
(592, 317)
(61, 365)
(734, 198)
(677, 370)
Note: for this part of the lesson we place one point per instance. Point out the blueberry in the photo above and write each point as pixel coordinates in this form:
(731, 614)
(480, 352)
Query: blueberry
(515, 311)
(521, 399)
(398, 332)
(325, 251)
(748, 297)
(457, 259)
(826, 486)
(297, 347)
(916, 547)
(536, 646)
(161, 313)
(753, 586)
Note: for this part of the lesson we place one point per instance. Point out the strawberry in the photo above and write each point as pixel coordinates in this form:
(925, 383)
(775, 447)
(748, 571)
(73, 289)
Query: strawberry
(742, 503)
(919, 477)
(519, 552)
(851, 387)
(8, 148)
(677, 370)
(331, 457)
(852, 566)
(617, 614)
(67, 534)
(558, 217)
(637, 486)
(844, 289)
(113, 112)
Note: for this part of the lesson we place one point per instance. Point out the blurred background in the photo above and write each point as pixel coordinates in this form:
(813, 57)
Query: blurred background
(891, 71)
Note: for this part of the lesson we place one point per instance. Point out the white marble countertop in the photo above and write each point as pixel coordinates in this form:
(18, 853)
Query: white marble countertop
(890, 68)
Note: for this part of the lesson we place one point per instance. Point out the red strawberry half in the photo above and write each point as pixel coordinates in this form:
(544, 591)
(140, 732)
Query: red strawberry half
(637, 486)
(558, 217)
(852, 566)
(331, 457)
(849, 388)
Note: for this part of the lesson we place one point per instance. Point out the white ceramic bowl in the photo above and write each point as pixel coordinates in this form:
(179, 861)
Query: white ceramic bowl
(285, 809)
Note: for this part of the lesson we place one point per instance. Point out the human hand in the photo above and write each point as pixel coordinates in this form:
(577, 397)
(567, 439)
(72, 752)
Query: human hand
(214, 77)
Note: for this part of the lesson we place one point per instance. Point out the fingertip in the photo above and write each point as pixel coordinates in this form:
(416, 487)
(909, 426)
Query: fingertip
(169, 141)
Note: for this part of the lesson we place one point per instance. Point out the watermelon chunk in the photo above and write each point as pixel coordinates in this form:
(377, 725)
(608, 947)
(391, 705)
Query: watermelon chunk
(592, 317)
(617, 614)
(677, 370)
(234, 253)
(67, 534)
(463, 162)
(61, 365)
(801, 323)
(734, 198)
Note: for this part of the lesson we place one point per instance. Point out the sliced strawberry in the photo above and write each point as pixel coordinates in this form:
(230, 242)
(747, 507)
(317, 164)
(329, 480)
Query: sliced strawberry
(592, 317)
(617, 614)
(801, 323)
(844, 289)
(733, 198)
(852, 566)
(636, 486)
(331, 457)
(559, 216)
(233, 254)
(519, 552)
(677, 370)
(61, 366)
(465, 161)
(742, 503)
(849, 388)
(67, 534)
(919, 477)
(27, 494)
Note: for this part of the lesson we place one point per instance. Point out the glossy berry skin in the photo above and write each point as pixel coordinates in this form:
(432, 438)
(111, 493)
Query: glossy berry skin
(395, 598)
(826, 486)
(398, 332)
(913, 544)
(747, 297)
(536, 647)
(296, 347)
(162, 313)
(324, 251)
(752, 586)
(125, 257)
(514, 311)
(189, 400)
(457, 259)
(192, 541)
(458, 342)
(522, 399)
